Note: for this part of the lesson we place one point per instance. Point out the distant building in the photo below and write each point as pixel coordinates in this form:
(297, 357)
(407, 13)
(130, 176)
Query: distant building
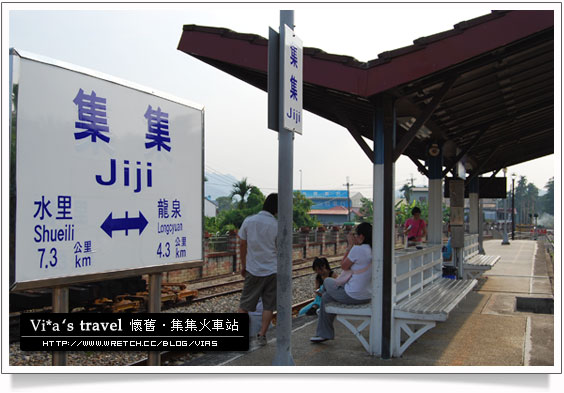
(327, 199)
(419, 194)
(337, 215)
(210, 208)
(332, 206)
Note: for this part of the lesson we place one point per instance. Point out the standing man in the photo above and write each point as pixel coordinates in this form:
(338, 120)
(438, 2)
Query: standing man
(259, 262)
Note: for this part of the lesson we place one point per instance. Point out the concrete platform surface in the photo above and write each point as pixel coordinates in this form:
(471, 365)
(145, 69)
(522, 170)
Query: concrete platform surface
(484, 330)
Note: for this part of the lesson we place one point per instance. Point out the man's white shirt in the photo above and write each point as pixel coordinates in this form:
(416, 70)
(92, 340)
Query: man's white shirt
(260, 232)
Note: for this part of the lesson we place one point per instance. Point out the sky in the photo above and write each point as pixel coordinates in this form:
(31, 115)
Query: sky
(138, 43)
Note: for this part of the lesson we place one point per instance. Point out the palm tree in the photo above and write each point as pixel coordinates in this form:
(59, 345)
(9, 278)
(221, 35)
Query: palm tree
(241, 188)
(406, 189)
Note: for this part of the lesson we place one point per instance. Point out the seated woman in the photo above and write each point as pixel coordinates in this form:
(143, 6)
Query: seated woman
(323, 270)
(358, 288)
(415, 227)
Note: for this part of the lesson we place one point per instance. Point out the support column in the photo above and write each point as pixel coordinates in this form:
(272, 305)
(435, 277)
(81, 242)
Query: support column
(283, 355)
(383, 227)
(60, 301)
(154, 306)
(481, 228)
(457, 223)
(435, 227)
(474, 197)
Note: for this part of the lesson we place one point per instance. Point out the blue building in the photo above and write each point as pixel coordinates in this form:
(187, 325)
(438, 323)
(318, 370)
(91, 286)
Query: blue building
(326, 199)
(331, 206)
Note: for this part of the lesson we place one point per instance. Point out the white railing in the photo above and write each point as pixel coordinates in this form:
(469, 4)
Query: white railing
(471, 246)
(415, 270)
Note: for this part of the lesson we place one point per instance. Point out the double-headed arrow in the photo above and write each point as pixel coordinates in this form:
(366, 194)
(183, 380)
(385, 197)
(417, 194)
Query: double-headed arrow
(124, 224)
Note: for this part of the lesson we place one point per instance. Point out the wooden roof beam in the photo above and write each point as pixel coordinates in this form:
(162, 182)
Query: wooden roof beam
(466, 150)
(357, 135)
(421, 119)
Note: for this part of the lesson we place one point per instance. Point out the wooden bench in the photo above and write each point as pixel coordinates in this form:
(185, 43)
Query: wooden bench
(420, 298)
(475, 264)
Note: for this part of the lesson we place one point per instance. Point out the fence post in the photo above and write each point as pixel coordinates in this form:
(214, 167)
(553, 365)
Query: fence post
(343, 235)
(305, 240)
(321, 239)
(234, 248)
(207, 237)
(335, 239)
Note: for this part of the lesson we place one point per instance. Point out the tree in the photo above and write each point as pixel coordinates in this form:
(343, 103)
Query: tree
(240, 189)
(406, 189)
(367, 210)
(224, 203)
(520, 198)
(232, 215)
(531, 201)
(527, 201)
(546, 202)
(300, 214)
(255, 199)
(232, 219)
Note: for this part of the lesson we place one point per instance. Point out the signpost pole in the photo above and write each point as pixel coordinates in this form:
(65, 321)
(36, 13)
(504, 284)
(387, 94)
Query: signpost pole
(283, 355)
(60, 301)
(154, 358)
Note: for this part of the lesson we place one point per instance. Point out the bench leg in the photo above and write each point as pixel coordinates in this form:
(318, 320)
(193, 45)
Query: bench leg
(472, 274)
(413, 333)
(356, 330)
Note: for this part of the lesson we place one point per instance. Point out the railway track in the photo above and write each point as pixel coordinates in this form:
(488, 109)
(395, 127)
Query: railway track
(299, 270)
(169, 356)
(206, 292)
(172, 295)
(219, 299)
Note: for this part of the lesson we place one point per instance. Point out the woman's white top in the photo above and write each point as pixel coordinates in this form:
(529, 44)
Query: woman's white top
(360, 285)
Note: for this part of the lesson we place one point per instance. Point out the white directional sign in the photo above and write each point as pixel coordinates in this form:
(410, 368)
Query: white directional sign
(108, 176)
(293, 81)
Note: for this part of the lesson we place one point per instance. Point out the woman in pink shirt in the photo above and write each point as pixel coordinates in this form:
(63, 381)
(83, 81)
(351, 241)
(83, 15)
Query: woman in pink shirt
(415, 227)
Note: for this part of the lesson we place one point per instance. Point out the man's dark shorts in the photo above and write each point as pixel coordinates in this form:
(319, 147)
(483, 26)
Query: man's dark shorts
(259, 287)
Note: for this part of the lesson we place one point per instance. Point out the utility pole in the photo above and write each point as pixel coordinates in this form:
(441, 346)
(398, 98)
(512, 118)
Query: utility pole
(513, 206)
(348, 199)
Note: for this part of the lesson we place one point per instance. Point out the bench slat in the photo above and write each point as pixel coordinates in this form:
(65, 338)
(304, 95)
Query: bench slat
(433, 303)
(437, 300)
(348, 309)
(483, 260)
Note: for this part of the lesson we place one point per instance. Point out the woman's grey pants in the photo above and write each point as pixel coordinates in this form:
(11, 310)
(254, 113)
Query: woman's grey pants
(333, 293)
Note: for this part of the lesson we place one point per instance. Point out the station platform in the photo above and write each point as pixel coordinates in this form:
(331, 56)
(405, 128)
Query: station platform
(485, 329)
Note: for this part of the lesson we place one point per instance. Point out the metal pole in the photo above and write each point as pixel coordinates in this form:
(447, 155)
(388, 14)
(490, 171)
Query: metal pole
(505, 239)
(512, 208)
(60, 300)
(481, 228)
(154, 358)
(348, 201)
(283, 356)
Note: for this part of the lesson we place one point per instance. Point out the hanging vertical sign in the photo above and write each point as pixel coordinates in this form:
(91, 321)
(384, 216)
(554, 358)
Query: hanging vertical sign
(109, 176)
(293, 81)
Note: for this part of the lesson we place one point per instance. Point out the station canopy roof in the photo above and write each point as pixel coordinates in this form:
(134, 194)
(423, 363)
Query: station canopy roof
(483, 90)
